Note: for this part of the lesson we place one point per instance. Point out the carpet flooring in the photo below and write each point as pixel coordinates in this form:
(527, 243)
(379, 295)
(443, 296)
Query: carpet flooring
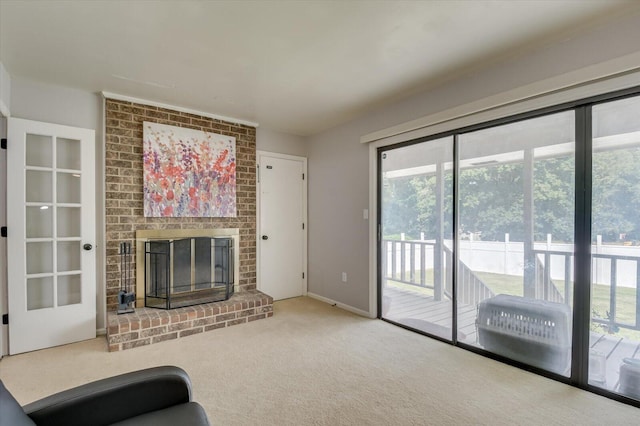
(314, 364)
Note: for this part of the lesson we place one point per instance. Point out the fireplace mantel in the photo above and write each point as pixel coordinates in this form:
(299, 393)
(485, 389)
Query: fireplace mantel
(145, 235)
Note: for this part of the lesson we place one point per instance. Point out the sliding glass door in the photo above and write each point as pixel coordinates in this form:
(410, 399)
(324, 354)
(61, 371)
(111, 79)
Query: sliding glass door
(516, 207)
(416, 227)
(614, 355)
(485, 241)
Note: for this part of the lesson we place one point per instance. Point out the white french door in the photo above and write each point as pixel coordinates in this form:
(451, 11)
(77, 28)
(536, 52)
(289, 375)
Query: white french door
(51, 233)
(282, 228)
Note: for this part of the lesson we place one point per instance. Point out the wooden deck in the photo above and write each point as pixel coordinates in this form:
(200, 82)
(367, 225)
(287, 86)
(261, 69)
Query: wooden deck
(420, 311)
(614, 349)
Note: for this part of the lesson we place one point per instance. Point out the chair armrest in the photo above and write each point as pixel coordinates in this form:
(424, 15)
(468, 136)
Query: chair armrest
(113, 399)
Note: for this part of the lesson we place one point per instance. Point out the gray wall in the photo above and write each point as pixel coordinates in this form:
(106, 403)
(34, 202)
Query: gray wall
(339, 165)
(56, 104)
(61, 105)
(281, 143)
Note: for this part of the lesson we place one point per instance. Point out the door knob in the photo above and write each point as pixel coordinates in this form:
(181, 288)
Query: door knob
(265, 237)
(87, 247)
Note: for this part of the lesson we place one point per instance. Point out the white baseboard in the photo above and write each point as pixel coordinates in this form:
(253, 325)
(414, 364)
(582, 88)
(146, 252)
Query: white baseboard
(340, 305)
(101, 332)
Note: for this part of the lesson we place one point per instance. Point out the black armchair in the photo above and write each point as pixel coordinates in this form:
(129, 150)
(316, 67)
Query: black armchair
(155, 396)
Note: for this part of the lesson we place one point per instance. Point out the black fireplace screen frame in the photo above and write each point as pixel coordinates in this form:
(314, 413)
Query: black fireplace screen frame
(188, 271)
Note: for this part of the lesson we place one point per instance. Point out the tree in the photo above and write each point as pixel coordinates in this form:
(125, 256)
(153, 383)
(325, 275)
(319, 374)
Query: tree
(491, 199)
(616, 194)
(554, 198)
(399, 208)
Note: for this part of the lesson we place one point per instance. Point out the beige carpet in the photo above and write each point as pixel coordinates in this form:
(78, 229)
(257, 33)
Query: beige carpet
(313, 364)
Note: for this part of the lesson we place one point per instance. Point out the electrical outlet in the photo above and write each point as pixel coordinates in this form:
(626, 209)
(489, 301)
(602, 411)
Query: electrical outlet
(344, 277)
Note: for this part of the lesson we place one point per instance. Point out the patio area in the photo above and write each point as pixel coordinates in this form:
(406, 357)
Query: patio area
(421, 312)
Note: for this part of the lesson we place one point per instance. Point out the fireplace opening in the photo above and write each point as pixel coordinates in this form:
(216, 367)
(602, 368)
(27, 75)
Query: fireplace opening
(188, 271)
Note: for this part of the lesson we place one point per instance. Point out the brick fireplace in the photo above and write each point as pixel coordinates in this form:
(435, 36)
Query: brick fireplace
(124, 217)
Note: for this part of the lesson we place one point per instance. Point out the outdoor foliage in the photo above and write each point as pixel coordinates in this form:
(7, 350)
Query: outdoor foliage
(492, 204)
(616, 195)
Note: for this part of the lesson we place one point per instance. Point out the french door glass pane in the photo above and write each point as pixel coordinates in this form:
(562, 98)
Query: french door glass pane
(39, 186)
(68, 222)
(614, 358)
(68, 188)
(516, 232)
(38, 150)
(39, 293)
(39, 258)
(416, 247)
(68, 154)
(68, 254)
(69, 290)
(39, 222)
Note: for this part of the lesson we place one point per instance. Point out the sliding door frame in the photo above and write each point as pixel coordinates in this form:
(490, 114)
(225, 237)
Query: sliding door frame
(454, 240)
(582, 249)
(378, 226)
(582, 234)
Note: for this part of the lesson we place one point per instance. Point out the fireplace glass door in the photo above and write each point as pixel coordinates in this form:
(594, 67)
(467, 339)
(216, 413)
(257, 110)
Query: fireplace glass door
(188, 271)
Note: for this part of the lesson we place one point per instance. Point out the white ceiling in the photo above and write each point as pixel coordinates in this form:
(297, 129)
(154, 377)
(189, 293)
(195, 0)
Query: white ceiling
(295, 66)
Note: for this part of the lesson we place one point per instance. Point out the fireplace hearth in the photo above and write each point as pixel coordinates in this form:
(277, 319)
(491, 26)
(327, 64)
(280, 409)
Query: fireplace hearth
(188, 271)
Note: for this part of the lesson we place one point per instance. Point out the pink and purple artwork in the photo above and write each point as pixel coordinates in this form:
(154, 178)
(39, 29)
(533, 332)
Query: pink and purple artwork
(188, 173)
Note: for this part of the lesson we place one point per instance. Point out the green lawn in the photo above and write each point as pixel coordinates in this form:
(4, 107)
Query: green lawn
(625, 297)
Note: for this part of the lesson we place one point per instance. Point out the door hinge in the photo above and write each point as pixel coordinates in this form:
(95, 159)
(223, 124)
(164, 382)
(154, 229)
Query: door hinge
(258, 173)
(303, 275)
(3, 232)
(3, 143)
(5, 319)
(303, 226)
(303, 176)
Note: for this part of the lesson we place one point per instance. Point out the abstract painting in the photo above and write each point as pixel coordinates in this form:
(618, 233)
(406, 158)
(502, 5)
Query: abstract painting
(188, 173)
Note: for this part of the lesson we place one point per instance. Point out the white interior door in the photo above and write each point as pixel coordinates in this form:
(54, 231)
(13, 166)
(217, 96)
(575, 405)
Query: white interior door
(282, 243)
(51, 232)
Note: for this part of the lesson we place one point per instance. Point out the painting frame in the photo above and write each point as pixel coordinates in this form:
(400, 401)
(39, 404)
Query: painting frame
(188, 172)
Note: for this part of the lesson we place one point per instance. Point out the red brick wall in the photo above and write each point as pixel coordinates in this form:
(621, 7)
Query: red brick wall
(124, 181)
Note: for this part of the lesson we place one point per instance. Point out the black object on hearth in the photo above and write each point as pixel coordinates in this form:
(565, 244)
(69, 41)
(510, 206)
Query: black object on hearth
(126, 297)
